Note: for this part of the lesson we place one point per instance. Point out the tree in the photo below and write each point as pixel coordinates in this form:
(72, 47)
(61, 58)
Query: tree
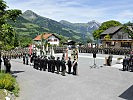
(89, 40)
(104, 26)
(128, 24)
(7, 33)
(107, 37)
(126, 29)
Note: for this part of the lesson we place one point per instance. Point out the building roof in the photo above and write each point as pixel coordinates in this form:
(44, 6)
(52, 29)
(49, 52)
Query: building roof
(111, 30)
(45, 36)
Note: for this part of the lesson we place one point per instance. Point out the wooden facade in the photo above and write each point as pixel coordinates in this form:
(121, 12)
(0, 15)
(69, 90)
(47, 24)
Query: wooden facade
(118, 38)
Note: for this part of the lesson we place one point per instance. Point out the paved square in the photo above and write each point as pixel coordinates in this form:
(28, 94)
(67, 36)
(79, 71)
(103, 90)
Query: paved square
(106, 83)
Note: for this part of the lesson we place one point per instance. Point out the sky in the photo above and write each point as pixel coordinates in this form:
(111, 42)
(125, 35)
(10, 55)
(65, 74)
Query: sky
(78, 11)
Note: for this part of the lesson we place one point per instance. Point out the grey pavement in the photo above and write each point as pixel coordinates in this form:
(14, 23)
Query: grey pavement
(105, 83)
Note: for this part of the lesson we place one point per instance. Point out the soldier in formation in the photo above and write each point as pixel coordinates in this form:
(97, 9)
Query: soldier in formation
(63, 66)
(7, 64)
(58, 64)
(0, 63)
(75, 64)
(54, 66)
(69, 63)
(125, 64)
(128, 63)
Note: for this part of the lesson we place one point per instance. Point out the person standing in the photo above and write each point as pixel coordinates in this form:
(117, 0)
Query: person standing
(0, 63)
(75, 64)
(49, 64)
(45, 61)
(125, 64)
(69, 63)
(41, 63)
(8, 65)
(58, 65)
(23, 59)
(27, 59)
(35, 62)
(53, 64)
(131, 63)
(63, 67)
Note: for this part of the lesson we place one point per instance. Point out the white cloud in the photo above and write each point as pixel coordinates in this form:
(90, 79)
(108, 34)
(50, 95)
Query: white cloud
(77, 10)
(125, 16)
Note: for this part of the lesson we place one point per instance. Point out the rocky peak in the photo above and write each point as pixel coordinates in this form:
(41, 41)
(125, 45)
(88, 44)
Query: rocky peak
(29, 15)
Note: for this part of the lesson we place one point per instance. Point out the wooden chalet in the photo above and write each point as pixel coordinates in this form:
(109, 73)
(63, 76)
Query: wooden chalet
(117, 38)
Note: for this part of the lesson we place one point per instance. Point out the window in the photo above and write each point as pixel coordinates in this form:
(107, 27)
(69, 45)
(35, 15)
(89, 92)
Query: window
(55, 39)
(125, 44)
(49, 40)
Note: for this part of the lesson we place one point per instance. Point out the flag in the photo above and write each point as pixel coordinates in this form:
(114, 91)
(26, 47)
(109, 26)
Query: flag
(30, 49)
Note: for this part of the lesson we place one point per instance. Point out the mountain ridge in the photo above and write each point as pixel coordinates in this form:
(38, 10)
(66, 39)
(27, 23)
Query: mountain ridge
(74, 31)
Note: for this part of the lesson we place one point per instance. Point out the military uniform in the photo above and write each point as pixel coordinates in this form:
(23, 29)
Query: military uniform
(41, 63)
(45, 61)
(58, 63)
(69, 63)
(27, 60)
(8, 65)
(63, 67)
(35, 63)
(53, 64)
(0, 63)
(131, 63)
(49, 64)
(75, 64)
(125, 64)
(23, 59)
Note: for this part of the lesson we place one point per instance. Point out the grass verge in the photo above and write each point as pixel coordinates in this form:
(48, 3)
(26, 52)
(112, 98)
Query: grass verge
(8, 82)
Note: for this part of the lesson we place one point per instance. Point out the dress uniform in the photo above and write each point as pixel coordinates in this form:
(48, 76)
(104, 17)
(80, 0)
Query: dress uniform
(27, 60)
(63, 67)
(23, 59)
(8, 65)
(125, 64)
(69, 63)
(45, 62)
(75, 64)
(49, 64)
(0, 63)
(58, 63)
(41, 63)
(53, 64)
(131, 63)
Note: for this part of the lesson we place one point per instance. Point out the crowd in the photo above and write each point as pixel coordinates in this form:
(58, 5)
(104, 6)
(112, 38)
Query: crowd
(128, 63)
(51, 64)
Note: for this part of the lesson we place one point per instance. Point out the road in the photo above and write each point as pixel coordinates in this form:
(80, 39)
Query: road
(105, 83)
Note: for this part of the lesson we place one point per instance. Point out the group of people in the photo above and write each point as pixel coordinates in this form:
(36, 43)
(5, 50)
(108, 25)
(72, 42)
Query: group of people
(128, 63)
(113, 51)
(7, 64)
(51, 64)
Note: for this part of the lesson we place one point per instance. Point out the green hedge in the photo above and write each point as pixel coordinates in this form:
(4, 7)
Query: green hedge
(9, 83)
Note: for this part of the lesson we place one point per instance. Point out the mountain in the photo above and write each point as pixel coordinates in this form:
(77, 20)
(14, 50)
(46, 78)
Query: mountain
(50, 24)
(31, 24)
(85, 29)
(24, 27)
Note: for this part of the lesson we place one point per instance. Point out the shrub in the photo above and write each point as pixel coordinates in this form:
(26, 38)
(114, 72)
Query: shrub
(9, 83)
